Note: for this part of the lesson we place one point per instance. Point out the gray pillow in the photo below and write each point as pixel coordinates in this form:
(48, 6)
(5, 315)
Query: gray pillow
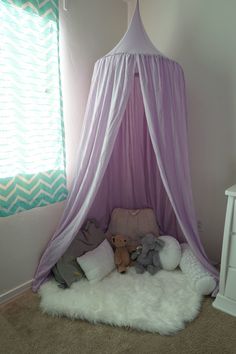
(66, 271)
(88, 238)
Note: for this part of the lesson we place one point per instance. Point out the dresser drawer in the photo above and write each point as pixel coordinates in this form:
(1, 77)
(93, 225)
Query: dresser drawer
(232, 252)
(230, 288)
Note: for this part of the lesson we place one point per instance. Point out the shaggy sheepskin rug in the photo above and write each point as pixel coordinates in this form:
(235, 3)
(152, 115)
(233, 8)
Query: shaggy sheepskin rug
(161, 303)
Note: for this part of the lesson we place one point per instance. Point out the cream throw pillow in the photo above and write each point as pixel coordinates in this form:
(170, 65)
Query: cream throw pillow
(97, 263)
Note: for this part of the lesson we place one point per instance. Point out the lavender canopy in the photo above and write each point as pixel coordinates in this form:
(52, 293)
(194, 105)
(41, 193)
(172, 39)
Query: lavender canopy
(133, 152)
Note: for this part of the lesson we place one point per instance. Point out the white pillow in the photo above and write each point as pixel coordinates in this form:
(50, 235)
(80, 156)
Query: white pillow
(97, 263)
(170, 254)
(202, 281)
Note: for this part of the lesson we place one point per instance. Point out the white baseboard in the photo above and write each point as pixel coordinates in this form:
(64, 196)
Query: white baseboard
(11, 294)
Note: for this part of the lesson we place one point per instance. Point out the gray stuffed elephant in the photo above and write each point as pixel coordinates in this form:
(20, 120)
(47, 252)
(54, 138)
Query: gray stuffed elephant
(147, 258)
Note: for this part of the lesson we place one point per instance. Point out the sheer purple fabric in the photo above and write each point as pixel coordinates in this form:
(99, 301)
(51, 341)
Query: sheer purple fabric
(133, 152)
(132, 179)
(163, 92)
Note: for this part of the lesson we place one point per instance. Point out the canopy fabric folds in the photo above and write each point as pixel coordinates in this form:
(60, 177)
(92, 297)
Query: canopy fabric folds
(158, 121)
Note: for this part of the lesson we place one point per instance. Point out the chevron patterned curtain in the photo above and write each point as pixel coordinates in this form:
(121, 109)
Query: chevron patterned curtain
(32, 151)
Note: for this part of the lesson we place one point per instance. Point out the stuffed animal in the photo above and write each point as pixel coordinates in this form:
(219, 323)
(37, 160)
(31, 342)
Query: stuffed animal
(148, 258)
(122, 257)
(135, 253)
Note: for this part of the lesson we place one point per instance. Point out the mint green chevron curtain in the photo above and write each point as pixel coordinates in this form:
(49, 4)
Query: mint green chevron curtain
(32, 151)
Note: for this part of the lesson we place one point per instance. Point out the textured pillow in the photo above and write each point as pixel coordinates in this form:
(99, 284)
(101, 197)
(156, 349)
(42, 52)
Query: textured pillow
(170, 254)
(202, 281)
(97, 263)
(132, 223)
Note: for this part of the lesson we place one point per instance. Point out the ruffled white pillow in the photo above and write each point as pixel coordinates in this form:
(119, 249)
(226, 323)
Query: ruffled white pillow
(202, 281)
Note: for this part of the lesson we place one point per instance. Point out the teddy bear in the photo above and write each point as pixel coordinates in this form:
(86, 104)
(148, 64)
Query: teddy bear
(147, 257)
(122, 257)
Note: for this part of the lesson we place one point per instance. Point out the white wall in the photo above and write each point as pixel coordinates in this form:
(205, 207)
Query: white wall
(200, 35)
(89, 30)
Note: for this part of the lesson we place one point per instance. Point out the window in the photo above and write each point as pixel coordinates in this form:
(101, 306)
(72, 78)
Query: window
(32, 151)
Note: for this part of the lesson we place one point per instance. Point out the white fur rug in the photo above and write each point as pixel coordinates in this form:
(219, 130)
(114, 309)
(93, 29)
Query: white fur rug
(161, 303)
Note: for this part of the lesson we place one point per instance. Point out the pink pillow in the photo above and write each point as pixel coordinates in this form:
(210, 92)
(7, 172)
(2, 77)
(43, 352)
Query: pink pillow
(132, 223)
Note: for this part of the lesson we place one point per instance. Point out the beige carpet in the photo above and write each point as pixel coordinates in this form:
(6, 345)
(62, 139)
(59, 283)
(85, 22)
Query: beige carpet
(24, 329)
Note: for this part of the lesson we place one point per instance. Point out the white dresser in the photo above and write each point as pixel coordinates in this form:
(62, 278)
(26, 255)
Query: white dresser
(226, 298)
